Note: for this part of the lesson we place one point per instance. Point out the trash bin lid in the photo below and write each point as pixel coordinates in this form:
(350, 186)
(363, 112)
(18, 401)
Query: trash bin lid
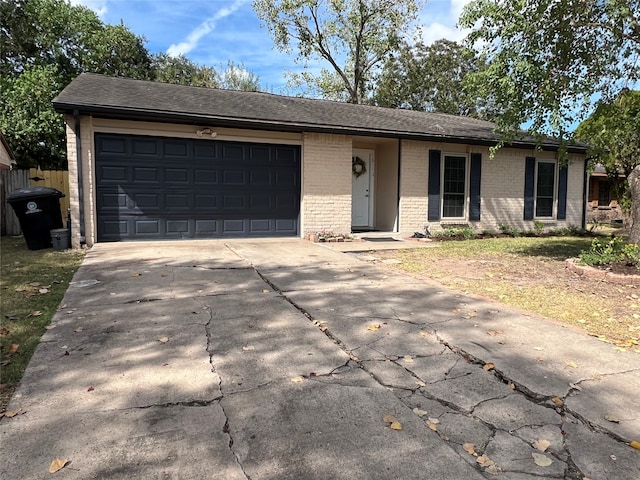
(33, 192)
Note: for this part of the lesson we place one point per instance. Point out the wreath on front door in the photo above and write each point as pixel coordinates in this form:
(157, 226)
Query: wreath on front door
(358, 167)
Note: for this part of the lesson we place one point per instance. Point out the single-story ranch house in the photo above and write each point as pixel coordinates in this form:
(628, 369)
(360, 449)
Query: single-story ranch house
(151, 160)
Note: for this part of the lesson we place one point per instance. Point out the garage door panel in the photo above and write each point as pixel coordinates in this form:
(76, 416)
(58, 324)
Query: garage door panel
(147, 147)
(177, 176)
(175, 188)
(109, 173)
(205, 176)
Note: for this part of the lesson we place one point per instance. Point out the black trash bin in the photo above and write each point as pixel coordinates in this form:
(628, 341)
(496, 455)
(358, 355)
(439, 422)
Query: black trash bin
(38, 209)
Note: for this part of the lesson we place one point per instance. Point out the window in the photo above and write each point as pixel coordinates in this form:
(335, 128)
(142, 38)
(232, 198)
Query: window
(453, 186)
(545, 182)
(604, 193)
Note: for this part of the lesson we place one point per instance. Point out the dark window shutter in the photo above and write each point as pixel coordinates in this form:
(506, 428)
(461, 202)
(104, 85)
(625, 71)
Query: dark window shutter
(433, 213)
(562, 193)
(474, 187)
(529, 186)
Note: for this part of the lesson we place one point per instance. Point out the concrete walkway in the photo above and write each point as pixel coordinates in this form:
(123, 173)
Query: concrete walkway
(281, 359)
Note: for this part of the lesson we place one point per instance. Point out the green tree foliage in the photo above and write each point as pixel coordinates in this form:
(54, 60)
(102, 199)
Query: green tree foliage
(237, 77)
(352, 36)
(613, 134)
(552, 61)
(182, 71)
(44, 44)
(548, 58)
(431, 78)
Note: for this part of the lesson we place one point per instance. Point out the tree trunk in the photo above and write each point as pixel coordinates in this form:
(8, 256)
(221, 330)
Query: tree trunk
(634, 186)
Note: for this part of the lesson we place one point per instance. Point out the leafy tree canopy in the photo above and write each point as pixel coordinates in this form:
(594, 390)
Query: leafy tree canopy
(431, 78)
(352, 36)
(549, 59)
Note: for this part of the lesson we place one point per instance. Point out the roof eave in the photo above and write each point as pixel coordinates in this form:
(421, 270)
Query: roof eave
(269, 125)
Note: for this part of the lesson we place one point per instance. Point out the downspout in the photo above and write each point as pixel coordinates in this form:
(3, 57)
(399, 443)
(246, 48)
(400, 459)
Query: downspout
(76, 118)
(398, 186)
(585, 193)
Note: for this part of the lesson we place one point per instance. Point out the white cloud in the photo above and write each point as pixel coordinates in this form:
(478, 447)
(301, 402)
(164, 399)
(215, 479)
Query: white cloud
(456, 8)
(201, 30)
(443, 24)
(98, 6)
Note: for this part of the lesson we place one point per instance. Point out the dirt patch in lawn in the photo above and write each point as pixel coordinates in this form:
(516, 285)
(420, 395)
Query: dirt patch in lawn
(532, 275)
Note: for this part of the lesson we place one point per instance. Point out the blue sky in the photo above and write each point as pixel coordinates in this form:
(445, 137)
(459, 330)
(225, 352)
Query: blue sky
(211, 32)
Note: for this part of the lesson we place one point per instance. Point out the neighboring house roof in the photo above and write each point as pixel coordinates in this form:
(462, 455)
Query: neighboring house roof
(114, 97)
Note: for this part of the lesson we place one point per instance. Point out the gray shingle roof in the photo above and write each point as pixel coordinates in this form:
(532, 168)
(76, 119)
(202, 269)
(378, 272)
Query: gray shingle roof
(126, 98)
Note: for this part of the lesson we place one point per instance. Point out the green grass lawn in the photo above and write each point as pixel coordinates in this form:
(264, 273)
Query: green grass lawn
(32, 284)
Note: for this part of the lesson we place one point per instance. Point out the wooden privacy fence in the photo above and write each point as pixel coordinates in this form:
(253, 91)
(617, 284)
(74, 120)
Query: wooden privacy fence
(11, 180)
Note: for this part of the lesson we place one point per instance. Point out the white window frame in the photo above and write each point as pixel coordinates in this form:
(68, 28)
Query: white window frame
(467, 166)
(554, 200)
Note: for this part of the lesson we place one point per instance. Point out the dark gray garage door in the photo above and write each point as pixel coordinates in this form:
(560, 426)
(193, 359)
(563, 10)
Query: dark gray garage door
(155, 187)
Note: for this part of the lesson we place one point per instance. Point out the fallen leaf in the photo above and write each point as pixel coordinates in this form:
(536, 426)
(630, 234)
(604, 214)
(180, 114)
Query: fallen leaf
(558, 402)
(388, 418)
(13, 413)
(541, 444)
(493, 333)
(485, 461)
(432, 423)
(512, 385)
(420, 383)
(470, 448)
(43, 291)
(612, 419)
(541, 460)
(424, 334)
(78, 330)
(13, 348)
(57, 464)
(163, 339)
(4, 331)
(420, 413)
(488, 366)
(373, 328)
(395, 426)
(572, 364)
(297, 379)
(635, 444)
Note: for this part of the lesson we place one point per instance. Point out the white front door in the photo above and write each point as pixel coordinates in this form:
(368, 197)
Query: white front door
(362, 176)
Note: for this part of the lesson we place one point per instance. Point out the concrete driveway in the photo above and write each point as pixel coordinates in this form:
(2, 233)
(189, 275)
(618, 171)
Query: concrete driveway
(281, 359)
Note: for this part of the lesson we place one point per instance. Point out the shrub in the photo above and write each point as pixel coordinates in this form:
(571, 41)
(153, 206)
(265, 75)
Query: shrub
(613, 250)
(466, 233)
(508, 230)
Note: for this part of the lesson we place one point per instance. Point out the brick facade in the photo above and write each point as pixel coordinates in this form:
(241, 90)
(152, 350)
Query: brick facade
(326, 183)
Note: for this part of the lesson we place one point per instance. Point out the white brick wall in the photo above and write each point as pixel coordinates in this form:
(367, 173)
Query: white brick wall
(326, 186)
(413, 185)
